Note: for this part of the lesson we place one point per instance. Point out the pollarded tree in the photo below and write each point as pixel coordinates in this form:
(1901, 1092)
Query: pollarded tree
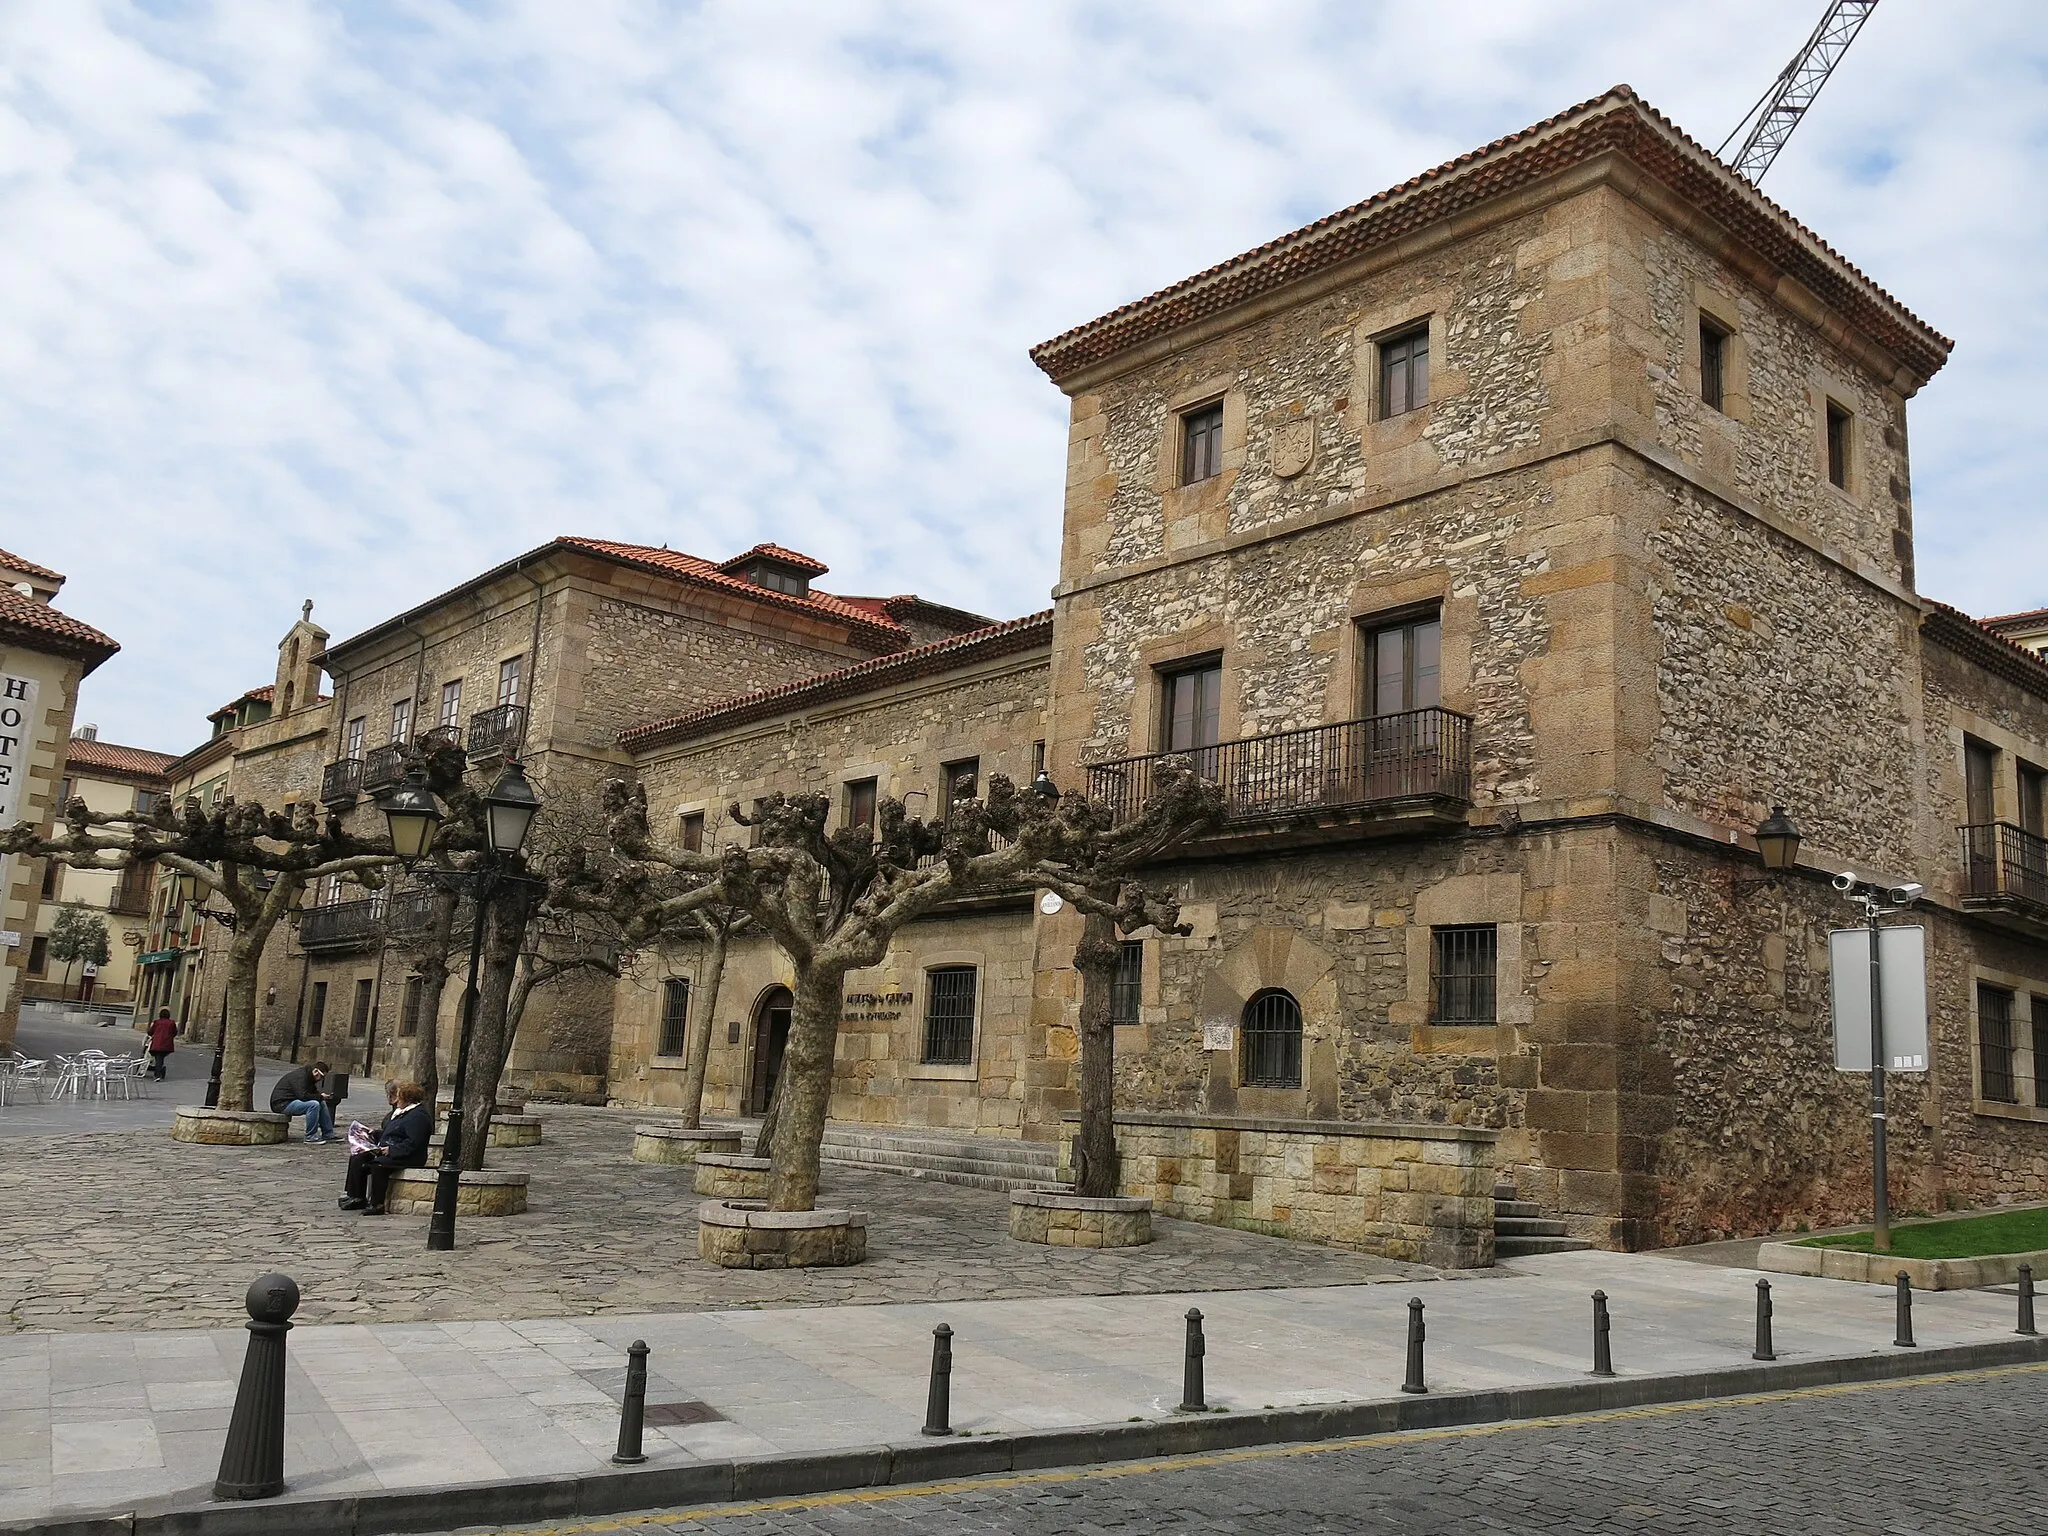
(78, 936)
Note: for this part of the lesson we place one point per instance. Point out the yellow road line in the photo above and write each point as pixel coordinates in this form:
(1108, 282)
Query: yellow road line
(1388, 1439)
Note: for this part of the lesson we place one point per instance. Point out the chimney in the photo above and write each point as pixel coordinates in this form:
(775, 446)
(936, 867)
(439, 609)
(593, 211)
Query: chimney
(86, 733)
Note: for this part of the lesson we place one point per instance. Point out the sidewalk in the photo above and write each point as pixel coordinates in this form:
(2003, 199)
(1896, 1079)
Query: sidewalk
(98, 1422)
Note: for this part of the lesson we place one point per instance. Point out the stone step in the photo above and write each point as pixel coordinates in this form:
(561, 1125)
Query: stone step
(1505, 1208)
(1503, 1191)
(1529, 1247)
(977, 1162)
(1009, 1148)
(1527, 1226)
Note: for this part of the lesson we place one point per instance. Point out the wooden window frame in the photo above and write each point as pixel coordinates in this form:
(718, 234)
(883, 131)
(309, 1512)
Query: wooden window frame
(1407, 624)
(1840, 425)
(1201, 441)
(510, 672)
(1714, 362)
(1402, 374)
(451, 702)
(855, 794)
(1170, 676)
(692, 832)
(316, 1015)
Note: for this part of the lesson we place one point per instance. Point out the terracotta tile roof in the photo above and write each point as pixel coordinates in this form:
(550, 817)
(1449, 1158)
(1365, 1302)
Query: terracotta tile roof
(1617, 122)
(920, 661)
(43, 627)
(28, 567)
(673, 562)
(789, 557)
(137, 762)
(908, 605)
(1975, 640)
(2025, 620)
(265, 695)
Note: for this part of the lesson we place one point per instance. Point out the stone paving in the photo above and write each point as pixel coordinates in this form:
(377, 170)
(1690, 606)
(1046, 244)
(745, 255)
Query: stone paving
(132, 1230)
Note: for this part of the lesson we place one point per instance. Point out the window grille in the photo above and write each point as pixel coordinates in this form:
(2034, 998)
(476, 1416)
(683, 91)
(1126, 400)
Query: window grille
(318, 1017)
(2040, 1051)
(675, 1017)
(949, 1015)
(1201, 443)
(1271, 1026)
(359, 1020)
(1461, 971)
(1995, 1045)
(1404, 372)
(409, 1007)
(1125, 990)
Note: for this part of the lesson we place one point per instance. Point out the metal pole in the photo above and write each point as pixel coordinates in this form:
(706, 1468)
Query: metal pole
(1881, 1204)
(220, 1043)
(1603, 1353)
(1191, 1399)
(1763, 1322)
(633, 1409)
(1904, 1340)
(1414, 1383)
(938, 1408)
(252, 1459)
(2026, 1300)
(448, 1179)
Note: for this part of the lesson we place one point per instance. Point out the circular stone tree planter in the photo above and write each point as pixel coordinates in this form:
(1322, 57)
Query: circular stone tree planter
(230, 1127)
(506, 1130)
(680, 1144)
(509, 1103)
(745, 1234)
(1066, 1220)
(488, 1192)
(729, 1176)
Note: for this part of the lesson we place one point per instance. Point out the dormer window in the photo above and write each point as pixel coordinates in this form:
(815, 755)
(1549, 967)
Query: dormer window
(775, 569)
(779, 578)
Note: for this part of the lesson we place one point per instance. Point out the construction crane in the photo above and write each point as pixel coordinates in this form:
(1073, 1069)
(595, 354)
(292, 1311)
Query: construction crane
(1777, 112)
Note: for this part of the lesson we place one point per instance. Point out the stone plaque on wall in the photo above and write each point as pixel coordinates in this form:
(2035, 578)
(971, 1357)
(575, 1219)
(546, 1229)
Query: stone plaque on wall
(1294, 445)
(1219, 1035)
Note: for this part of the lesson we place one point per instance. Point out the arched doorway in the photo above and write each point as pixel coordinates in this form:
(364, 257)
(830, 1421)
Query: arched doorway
(771, 1038)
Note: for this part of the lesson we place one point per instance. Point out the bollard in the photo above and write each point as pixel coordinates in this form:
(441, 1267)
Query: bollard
(1603, 1354)
(1414, 1383)
(1763, 1322)
(633, 1410)
(1191, 1400)
(938, 1403)
(1905, 1337)
(2026, 1300)
(252, 1460)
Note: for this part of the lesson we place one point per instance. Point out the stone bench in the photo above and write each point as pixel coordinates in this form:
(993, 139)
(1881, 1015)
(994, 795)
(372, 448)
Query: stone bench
(508, 1103)
(679, 1143)
(1066, 1220)
(743, 1234)
(729, 1176)
(487, 1192)
(230, 1127)
(506, 1130)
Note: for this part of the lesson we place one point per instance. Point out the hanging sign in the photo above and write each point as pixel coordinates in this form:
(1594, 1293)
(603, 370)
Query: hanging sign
(17, 740)
(1902, 961)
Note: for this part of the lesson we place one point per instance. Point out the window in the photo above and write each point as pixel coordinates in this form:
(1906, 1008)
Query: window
(451, 702)
(401, 720)
(508, 681)
(779, 578)
(693, 832)
(1191, 707)
(1713, 363)
(1127, 989)
(1838, 446)
(1461, 969)
(38, 955)
(50, 869)
(1995, 1045)
(949, 1015)
(1037, 758)
(675, 1017)
(359, 1017)
(1404, 666)
(1201, 442)
(860, 803)
(961, 781)
(1271, 1026)
(148, 801)
(754, 817)
(318, 1016)
(409, 1007)
(1404, 372)
(2033, 802)
(1980, 779)
(352, 738)
(2040, 1051)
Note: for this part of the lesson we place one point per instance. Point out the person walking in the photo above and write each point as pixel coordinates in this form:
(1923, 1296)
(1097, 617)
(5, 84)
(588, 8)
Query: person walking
(299, 1092)
(163, 1039)
(402, 1143)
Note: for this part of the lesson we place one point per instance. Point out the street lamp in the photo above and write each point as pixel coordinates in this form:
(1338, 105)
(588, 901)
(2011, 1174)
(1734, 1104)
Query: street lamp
(1044, 788)
(1778, 840)
(414, 816)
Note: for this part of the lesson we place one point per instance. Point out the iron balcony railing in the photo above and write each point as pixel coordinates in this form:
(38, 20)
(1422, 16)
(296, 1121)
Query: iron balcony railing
(997, 842)
(2002, 860)
(383, 766)
(497, 730)
(341, 922)
(341, 781)
(1419, 753)
(440, 736)
(410, 910)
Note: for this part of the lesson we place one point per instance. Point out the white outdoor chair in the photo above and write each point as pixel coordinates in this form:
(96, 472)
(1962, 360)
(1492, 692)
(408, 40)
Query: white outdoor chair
(30, 1071)
(73, 1078)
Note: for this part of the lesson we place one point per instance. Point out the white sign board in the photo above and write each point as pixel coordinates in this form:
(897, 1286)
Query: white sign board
(1219, 1035)
(1902, 956)
(17, 739)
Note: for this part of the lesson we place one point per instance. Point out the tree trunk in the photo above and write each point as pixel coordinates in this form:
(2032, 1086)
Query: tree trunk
(504, 935)
(238, 1040)
(709, 979)
(433, 969)
(805, 1089)
(1095, 958)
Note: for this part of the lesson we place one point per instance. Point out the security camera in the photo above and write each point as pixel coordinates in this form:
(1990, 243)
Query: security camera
(1905, 895)
(1845, 882)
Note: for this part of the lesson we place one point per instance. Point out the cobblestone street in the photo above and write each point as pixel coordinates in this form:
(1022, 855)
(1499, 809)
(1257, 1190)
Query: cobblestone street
(133, 1230)
(1936, 1455)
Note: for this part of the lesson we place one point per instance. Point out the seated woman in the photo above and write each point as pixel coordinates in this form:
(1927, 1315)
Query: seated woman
(401, 1143)
(301, 1092)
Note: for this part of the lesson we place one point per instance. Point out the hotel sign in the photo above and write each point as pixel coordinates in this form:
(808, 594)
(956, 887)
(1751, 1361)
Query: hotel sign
(17, 739)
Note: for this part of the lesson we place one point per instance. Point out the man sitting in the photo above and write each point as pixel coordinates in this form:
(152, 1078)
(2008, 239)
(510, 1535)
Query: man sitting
(299, 1092)
(402, 1143)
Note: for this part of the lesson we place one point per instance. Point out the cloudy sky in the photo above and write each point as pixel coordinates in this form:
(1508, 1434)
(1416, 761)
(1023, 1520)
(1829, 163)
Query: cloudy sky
(351, 301)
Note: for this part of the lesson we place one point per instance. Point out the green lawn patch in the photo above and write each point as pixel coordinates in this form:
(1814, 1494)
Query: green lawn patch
(1965, 1237)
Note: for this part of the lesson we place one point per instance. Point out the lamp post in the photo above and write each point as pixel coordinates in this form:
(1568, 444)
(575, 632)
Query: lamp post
(1875, 899)
(414, 818)
(1777, 840)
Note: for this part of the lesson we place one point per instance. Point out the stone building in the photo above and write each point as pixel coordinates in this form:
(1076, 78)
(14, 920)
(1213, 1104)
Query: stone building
(2029, 629)
(44, 655)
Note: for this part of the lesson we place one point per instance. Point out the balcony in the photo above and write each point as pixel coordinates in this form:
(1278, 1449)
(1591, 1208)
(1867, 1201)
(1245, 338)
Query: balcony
(341, 924)
(441, 736)
(410, 911)
(2005, 876)
(497, 732)
(1388, 774)
(383, 767)
(340, 782)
